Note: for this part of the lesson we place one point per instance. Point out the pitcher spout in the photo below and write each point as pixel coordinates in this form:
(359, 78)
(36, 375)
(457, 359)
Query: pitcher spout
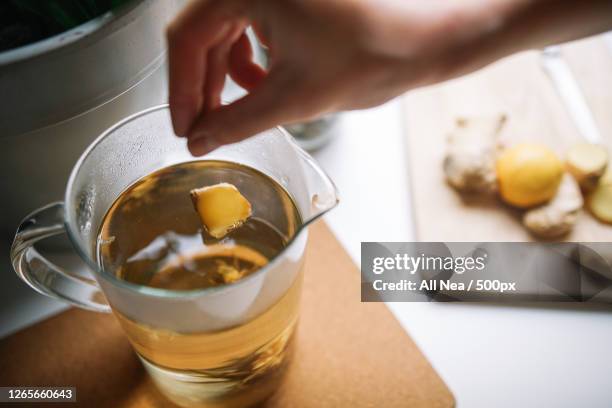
(321, 192)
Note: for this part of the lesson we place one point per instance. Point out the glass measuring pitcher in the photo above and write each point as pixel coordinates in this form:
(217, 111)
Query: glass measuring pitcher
(219, 346)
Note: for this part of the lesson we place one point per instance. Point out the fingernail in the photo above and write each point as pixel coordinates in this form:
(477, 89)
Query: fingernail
(202, 145)
(181, 120)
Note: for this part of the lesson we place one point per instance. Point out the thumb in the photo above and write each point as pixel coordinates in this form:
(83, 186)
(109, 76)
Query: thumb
(268, 105)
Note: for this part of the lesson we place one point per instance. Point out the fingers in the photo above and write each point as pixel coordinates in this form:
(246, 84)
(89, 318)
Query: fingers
(185, 81)
(205, 43)
(215, 78)
(259, 33)
(198, 29)
(216, 69)
(243, 70)
(259, 110)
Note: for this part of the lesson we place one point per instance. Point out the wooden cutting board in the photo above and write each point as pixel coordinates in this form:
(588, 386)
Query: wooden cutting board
(349, 354)
(519, 87)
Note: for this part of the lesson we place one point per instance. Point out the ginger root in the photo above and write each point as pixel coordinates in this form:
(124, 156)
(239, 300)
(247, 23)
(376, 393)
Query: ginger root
(469, 164)
(587, 162)
(599, 201)
(558, 216)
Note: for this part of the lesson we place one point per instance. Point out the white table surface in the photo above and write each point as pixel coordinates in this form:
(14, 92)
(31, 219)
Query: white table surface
(490, 356)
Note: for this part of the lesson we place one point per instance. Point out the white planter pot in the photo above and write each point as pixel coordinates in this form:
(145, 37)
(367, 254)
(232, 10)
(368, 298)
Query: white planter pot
(59, 94)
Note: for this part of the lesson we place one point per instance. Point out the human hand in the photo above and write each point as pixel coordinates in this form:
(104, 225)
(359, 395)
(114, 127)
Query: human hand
(325, 55)
(332, 55)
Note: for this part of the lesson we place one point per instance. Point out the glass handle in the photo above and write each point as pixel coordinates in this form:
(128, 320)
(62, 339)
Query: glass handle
(44, 276)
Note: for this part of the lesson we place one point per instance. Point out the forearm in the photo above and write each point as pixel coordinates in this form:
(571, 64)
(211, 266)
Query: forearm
(473, 33)
(538, 23)
(532, 24)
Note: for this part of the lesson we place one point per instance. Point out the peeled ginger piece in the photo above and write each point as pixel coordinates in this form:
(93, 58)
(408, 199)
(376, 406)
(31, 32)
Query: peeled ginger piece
(221, 208)
(600, 200)
(587, 162)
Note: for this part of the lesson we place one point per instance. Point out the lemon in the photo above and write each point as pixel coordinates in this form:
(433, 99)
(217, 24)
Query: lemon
(528, 174)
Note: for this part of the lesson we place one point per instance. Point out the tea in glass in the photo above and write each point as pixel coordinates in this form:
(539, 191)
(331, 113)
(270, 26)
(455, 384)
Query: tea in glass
(152, 236)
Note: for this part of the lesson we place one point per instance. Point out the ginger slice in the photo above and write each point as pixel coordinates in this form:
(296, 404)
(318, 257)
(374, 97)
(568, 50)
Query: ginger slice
(559, 215)
(600, 200)
(221, 208)
(587, 162)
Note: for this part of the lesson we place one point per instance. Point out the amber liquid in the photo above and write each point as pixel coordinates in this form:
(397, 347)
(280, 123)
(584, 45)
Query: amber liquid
(152, 236)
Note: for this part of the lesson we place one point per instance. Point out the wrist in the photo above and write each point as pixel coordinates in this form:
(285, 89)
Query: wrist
(476, 34)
